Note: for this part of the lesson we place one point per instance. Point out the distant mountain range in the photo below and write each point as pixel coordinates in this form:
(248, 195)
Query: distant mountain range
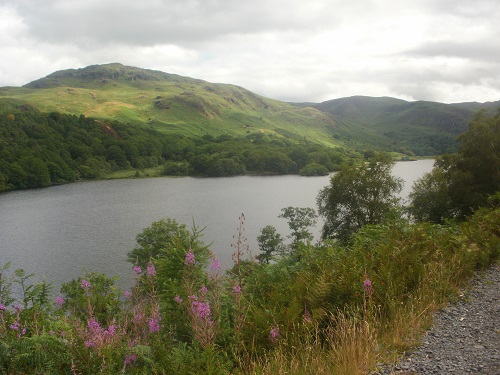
(421, 127)
(192, 107)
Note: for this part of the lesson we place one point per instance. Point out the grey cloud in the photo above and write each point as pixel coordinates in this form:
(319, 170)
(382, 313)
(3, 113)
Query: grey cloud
(159, 22)
(484, 50)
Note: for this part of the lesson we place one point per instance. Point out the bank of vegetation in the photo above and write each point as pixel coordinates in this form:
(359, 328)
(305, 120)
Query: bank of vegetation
(42, 149)
(360, 296)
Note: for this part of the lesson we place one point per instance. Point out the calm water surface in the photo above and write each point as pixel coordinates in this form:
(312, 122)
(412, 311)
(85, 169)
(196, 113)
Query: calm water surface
(62, 231)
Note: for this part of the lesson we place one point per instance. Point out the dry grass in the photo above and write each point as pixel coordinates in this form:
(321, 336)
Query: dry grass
(347, 346)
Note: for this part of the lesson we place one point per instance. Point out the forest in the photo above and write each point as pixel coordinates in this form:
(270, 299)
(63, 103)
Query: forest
(361, 296)
(42, 149)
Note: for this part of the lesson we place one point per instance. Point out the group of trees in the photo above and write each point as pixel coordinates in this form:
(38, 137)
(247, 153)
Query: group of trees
(38, 150)
(462, 182)
(366, 193)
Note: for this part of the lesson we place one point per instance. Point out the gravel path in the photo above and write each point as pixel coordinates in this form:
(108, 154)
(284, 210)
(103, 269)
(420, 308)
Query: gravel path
(465, 336)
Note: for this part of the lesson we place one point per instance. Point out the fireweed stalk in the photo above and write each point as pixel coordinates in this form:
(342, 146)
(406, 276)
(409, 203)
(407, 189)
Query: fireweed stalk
(203, 326)
(145, 310)
(241, 248)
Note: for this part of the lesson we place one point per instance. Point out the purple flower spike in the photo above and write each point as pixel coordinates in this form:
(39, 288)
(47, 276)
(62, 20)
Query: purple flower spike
(236, 289)
(215, 265)
(189, 259)
(178, 299)
(274, 334)
(85, 284)
(137, 270)
(368, 287)
(151, 270)
(130, 359)
(154, 325)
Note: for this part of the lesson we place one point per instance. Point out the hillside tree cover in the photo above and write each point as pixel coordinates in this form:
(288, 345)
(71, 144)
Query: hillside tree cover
(38, 150)
(461, 183)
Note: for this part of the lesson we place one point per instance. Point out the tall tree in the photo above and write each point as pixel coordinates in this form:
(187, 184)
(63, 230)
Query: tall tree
(300, 219)
(358, 195)
(270, 244)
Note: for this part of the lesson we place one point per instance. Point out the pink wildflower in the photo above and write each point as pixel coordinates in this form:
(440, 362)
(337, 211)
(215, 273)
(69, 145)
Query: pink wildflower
(93, 325)
(14, 326)
(367, 286)
(85, 284)
(2, 307)
(151, 270)
(189, 259)
(128, 294)
(59, 301)
(178, 299)
(90, 344)
(137, 318)
(215, 265)
(202, 310)
(203, 291)
(137, 270)
(130, 359)
(154, 325)
(18, 309)
(111, 330)
(236, 289)
(274, 334)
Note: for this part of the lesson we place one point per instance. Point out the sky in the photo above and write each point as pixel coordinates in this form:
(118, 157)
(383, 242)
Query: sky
(296, 50)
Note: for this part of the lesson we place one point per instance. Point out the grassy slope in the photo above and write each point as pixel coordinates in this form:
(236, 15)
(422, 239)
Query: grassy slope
(398, 124)
(171, 103)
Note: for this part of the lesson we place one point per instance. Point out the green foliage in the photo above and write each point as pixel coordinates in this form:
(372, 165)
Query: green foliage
(358, 195)
(461, 183)
(270, 244)
(38, 149)
(389, 124)
(300, 219)
(314, 169)
(166, 243)
(99, 300)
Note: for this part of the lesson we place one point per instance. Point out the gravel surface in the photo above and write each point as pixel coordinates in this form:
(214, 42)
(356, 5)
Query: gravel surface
(465, 336)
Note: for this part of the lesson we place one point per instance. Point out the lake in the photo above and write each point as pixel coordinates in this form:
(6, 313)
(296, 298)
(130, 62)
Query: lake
(61, 231)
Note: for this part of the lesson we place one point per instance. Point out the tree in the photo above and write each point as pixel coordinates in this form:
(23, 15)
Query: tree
(162, 238)
(270, 244)
(460, 183)
(358, 195)
(430, 199)
(299, 220)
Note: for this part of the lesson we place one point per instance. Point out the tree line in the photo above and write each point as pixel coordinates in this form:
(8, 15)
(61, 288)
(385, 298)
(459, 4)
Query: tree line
(39, 149)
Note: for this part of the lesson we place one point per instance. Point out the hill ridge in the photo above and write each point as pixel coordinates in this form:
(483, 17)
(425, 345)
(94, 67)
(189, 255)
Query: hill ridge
(194, 107)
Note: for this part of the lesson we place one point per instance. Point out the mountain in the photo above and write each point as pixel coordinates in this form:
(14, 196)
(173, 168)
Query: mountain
(423, 127)
(171, 103)
(174, 104)
(420, 127)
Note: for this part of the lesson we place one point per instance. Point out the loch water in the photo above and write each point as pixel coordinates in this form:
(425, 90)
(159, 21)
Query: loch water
(62, 231)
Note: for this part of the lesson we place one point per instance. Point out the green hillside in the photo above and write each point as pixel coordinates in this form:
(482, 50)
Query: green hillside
(171, 103)
(421, 127)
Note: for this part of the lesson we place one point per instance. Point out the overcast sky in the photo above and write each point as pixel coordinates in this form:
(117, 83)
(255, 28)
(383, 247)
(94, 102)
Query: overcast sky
(296, 50)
